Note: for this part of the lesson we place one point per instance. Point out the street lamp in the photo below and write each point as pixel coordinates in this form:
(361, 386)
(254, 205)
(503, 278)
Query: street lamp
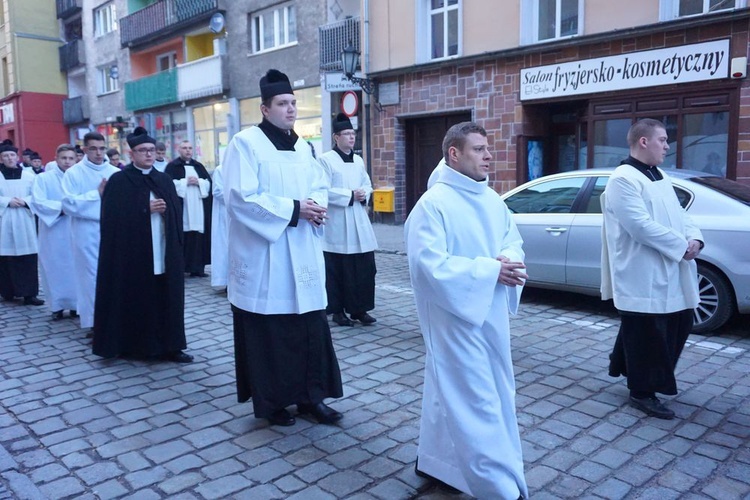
(349, 62)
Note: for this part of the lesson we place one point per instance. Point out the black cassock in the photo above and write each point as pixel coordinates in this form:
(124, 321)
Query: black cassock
(197, 245)
(138, 313)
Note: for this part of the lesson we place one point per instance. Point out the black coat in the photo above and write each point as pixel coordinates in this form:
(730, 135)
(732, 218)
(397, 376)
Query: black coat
(176, 170)
(136, 312)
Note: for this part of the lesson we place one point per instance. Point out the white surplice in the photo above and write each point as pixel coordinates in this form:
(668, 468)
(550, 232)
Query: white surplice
(192, 200)
(55, 243)
(273, 268)
(645, 234)
(348, 229)
(82, 203)
(219, 232)
(161, 166)
(17, 227)
(469, 434)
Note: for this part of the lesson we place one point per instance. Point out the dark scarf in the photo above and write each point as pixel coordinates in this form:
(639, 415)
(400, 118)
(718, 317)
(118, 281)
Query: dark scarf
(11, 173)
(283, 140)
(647, 170)
(347, 158)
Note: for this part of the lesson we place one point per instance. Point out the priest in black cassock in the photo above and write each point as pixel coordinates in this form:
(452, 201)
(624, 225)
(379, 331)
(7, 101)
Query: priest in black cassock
(193, 184)
(140, 286)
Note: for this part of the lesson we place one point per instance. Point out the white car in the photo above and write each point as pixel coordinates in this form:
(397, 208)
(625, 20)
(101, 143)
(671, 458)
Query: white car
(560, 219)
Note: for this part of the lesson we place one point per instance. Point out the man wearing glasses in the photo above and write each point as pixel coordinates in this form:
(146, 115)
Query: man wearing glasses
(83, 184)
(140, 295)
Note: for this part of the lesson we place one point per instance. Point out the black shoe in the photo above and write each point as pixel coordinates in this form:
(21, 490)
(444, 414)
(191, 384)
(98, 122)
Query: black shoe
(323, 413)
(281, 417)
(364, 318)
(57, 315)
(7, 298)
(90, 333)
(179, 357)
(32, 301)
(653, 407)
(342, 320)
(443, 486)
(73, 313)
(199, 275)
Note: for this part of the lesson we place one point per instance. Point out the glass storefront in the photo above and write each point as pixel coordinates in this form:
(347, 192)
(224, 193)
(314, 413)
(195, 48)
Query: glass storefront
(171, 129)
(211, 136)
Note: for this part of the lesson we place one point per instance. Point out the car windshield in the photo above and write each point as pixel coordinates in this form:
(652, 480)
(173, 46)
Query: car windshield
(739, 192)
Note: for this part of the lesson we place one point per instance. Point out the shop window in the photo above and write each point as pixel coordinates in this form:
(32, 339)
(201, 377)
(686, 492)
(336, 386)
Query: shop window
(705, 141)
(672, 9)
(105, 20)
(104, 81)
(543, 20)
(250, 112)
(610, 142)
(273, 29)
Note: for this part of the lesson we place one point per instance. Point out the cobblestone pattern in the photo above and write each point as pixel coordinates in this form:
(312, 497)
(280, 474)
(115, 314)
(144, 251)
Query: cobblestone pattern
(76, 426)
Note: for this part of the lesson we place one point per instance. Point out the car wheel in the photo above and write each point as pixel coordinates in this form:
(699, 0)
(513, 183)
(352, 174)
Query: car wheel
(716, 301)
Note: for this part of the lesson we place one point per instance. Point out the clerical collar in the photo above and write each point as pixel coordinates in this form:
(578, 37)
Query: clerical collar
(347, 158)
(143, 170)
(283, 140)
(649, 171)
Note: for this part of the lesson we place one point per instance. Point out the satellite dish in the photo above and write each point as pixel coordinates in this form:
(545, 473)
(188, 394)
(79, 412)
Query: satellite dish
(217, 22)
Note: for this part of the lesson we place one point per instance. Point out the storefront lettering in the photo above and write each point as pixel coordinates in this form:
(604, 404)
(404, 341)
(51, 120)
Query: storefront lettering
(689, 63)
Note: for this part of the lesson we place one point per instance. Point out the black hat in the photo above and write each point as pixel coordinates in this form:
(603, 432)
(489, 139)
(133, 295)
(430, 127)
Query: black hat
(8, 147)
(27, 152)
(139, 136)
(6, 142)
(342, 122)
(34, 156)
(78, 149)
(273, 83)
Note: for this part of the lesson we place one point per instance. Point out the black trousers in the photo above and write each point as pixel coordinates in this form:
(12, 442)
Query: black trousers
(350, 282)
(195, 261)
(647, 349)
(19, 276)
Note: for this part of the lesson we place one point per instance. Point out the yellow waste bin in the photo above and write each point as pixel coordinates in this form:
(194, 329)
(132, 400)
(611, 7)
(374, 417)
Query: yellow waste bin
(383, 199)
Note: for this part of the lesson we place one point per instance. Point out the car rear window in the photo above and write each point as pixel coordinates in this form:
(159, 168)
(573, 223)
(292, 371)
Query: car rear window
(739, 192)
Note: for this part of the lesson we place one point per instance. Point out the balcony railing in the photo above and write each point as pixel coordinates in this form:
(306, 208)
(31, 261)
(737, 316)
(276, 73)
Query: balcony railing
(163, 18)
(66, 8)
(72, 55)
(152, 91)
(75, 110)
(334, 38)
(201, 78)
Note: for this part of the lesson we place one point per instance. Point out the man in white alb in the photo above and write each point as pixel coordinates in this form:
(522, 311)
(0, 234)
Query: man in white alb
(83, 184)
(55, 241)
(466, 267)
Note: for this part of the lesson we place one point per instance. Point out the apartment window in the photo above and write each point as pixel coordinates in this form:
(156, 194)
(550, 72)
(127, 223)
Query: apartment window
(556, 19)
(273, 29)
(695, 7)
(444, 28)
(105, 83)
(105, 19)
(166, 61)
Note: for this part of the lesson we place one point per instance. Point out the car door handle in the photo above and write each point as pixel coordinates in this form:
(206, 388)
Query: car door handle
(556, 229)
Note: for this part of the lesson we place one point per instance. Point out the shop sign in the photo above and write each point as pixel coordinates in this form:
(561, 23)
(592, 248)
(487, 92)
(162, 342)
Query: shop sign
(6, 111)
(650, 68)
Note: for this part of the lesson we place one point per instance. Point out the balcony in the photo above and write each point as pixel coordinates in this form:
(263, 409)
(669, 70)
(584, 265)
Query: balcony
(67, 8)
(202, 78)
(75, 110)
(152, 91)
(333, 38)
(72, 55)
(163, 19)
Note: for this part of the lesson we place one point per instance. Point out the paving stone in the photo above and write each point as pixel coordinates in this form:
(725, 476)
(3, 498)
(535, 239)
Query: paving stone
(224, 487)
(167, 451)
(180, 482)
(314, 472)
(99, 472)
(146, 477)
(109, 489)
(613, 489)
(590, 471)
(289, 484)
(696, 466)
(344, 483)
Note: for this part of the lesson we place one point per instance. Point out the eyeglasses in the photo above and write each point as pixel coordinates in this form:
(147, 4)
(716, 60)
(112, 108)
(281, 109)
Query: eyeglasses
(145, 151)
(348, 134)
(94, 149)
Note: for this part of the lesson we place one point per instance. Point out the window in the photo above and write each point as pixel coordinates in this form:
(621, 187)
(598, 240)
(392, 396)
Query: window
(444, 28)
(544, 20)
(166, 61)
(273, 29)
(104, 81)
(105, 20)
(672, 9)
(555, 196)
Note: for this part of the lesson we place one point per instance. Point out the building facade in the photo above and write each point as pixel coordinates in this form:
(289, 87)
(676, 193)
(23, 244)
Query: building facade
(31, 89)
(557, 84)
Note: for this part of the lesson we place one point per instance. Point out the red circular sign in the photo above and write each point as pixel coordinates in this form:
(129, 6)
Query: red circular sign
(350, 103)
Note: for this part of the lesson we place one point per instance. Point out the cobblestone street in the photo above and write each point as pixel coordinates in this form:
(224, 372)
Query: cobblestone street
(75, 426)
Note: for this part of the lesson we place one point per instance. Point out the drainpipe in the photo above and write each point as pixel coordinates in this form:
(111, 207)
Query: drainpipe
(366, 71)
